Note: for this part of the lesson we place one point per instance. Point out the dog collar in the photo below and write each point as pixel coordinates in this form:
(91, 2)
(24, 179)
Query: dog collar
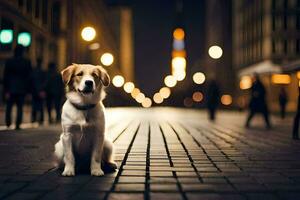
(83, 107)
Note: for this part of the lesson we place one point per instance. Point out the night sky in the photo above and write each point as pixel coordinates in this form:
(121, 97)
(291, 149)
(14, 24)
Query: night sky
(154, 22)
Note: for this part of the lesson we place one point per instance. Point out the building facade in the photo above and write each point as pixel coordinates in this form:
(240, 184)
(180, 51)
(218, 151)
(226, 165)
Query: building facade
(54, 29)
(266, 37)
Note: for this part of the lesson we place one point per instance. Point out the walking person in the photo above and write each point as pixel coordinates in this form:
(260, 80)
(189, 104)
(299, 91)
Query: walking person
(54, 92)
(258, 102)
(16, 84)
(283, 99)
(38, 78)
(213, 98)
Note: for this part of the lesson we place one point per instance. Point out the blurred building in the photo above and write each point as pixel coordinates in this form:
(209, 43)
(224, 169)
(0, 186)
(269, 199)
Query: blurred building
(52, 31)
(218, 32)
(39, 25)
(266, 38)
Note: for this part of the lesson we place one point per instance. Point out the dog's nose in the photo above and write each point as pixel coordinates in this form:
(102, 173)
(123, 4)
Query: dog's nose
(89, 83)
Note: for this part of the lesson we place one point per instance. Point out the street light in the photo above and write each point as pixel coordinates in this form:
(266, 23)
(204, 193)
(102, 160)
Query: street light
(157, 98)
(88, 33)
(6, 36)
(198, 78)
(24, 39)
(107, 59)
(147, 103)
(128, 87)
(165, 92)
(215, 52)
(170, 81)
(118, 81)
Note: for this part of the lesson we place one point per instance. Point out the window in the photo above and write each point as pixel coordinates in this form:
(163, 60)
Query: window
(298, 46)
(55, 17)
(7, 24)
(37, 9)
(291, 22)
(20, 3)
(291, 47)
(285, 21)
(29, 6)
(44, 11)
(298, 21)
(285, 47)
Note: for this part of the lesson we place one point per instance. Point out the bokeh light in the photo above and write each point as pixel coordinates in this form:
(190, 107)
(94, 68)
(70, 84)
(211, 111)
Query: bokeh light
(188, 102)
(157, 98)
(88, 33)
(215, 52)
(118, 81)
(107, 59)
(178, 63)
(178, 34)
(6, 36)
(147, 103)
(197, 96)
(245, 82)
(140, 97)
(199, 78)
(283, 79)
(135, 92)
(165, 92)
(24, 39)
(94, 46)
(226, 99)
(128, 87)
(170, 81)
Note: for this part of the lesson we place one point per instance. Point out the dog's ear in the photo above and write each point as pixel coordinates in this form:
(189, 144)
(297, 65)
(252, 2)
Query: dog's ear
(104, 77)
(67, 73)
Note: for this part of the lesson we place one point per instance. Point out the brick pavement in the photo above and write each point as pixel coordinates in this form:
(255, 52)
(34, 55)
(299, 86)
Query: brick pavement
(162, 153)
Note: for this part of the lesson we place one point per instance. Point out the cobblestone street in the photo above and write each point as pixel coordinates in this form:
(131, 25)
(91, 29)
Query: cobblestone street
(162, 153)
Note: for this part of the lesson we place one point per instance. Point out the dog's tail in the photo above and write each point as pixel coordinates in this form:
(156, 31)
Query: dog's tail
(58, 153)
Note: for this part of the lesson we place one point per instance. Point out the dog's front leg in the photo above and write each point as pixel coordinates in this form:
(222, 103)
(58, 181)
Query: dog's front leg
(68, 155)
(97, 156)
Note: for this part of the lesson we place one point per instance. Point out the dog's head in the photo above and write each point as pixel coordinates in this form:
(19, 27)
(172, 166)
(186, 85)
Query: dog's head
(85, 80)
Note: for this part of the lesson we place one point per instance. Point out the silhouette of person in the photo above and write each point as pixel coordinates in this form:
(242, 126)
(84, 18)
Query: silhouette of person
(213, 98)
(283, 99)
(258, 101)
(16, 84)
(54, 92)
(38, 79)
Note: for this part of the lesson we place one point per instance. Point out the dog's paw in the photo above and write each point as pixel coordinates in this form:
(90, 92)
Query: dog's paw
(68, 172)
(112, 165)
(97, 172)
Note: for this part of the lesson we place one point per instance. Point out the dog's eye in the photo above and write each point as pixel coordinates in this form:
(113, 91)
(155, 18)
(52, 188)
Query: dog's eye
(94, 74)
(79, 74)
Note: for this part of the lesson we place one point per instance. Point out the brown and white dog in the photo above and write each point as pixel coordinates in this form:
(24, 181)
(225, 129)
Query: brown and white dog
(83, 121)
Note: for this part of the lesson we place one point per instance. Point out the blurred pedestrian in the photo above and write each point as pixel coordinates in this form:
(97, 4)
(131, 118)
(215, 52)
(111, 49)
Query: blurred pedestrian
(38, 78)
(258, 101)
(283, 99)
(16, 84)
(213, 98)
(54, 92)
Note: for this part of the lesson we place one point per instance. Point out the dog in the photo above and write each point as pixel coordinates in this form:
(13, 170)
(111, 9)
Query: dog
(83, 121)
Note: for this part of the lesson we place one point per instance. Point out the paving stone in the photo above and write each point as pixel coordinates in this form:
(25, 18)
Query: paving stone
(121, 187)
(166, 187)
(125, 196)
(165, 196)
(214, 196)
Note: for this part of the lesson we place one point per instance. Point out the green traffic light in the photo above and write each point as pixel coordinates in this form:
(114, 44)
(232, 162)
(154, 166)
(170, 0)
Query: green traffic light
(6, 36)
(24, 39)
